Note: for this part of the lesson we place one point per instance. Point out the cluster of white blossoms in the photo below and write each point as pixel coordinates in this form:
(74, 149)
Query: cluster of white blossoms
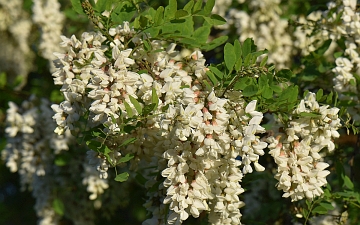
(347, 65)
(296, 150)
(49, 18)
(264, 24)
(15, 32)
(306, 40)
(203, 144)
(29, 153)
(40, 157)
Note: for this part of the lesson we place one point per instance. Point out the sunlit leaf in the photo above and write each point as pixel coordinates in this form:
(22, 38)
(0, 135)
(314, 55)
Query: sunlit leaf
(122, 177)
(58, 206)
(250, 90)
(126, 158)
(229, 56)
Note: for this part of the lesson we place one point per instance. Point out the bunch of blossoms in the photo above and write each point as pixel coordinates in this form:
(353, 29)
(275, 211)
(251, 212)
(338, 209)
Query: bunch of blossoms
(201, 144)
(348, 65)
(221, 8)
(304, 36)
(265, 25)
(47, 15)
(296, 148)
(15, 29)
(29, 153)
(33, 150)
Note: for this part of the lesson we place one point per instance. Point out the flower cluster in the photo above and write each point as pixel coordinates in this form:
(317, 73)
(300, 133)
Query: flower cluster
(26, 150)
(15, 32)
(29, 152)
(208, 143)
(47, 15)
(347, 65)
(42, 160)
(149, 105)
(301, 171)
(265, 25)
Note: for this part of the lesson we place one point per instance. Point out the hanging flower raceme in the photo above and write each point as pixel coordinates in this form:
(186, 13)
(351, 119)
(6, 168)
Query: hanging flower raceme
(301, 170)
(201, 144)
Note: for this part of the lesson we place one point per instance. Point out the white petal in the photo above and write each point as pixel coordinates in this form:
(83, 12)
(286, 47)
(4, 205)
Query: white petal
(250, 107)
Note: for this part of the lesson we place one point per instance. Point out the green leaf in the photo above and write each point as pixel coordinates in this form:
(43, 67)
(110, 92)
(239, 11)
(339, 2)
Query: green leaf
(246, 47)
(212, 78)
(242, 83)
(76, 4)
(327, 193)
(255, 55)
(217, 72)
(345, 194)
(120, 17)
(238, 64)
(237, 49)
(250, 90)
(209, 5)
(148, 109)
(127, 142)
(293, 95)
(217, 20)
(102, 5)
(61, 160)
(289, 94)
(323, 48)
(247, 60)
(126, 158)
(202, 33)
(92, 144)
(348, 183)
(263, 61)
(128, 109)
(154, 97)
(158, 19)
(320, 210)
(304, 212)
(214, 43)
(327, 205)
(329, 98)
(229, 56)
(197, 6)
(58, 206)
(276, 88)
(3, 80)
(285, 73)
(105, 150)
(267, 92)
(136, 104)
(271, 68)
(147, 45)
(189, 6)
(319, 94)
(338, 54)
(263, 82)
(208, 86)
(122, 177)
(170, 10)
(143, 21)
(128, 129)
(181, 13)
(95, 133)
